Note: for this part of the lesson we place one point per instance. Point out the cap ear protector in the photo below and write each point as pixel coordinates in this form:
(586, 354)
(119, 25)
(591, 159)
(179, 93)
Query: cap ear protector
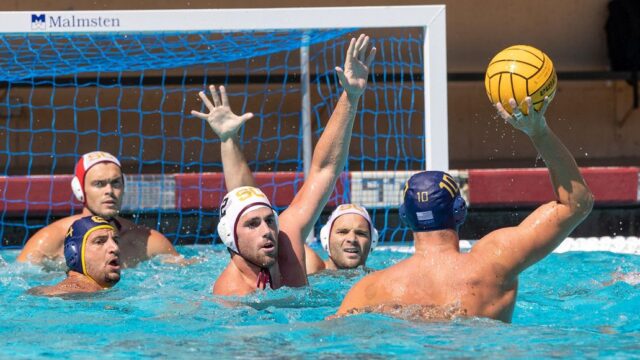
(77, 189)
(432, 201)
(325, 231)
(76, 239)
(459, 210)
(86, 162)
(237, 202)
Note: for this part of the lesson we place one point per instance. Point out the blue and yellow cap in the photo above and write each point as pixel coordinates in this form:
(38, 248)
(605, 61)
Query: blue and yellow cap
(76, 238)
(432, 201)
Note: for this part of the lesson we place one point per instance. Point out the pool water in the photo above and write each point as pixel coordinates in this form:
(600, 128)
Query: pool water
(167, 311)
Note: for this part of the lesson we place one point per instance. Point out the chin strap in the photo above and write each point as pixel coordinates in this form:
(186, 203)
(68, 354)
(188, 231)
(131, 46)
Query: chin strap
(264, 278)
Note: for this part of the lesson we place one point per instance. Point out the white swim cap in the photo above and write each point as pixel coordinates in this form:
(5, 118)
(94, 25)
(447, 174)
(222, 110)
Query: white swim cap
(237, 202)
(343, 210)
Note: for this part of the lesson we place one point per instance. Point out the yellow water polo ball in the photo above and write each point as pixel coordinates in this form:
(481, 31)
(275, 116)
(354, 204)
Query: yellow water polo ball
(517, 72)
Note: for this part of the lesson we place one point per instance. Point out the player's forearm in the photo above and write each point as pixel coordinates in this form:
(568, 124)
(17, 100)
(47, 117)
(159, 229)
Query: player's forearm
(568, 183)
(328, 160)
(333, 146)
(235, 168)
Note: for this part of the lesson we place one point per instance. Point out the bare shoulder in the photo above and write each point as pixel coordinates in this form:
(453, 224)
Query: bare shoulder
(60, 227)
(54, 290)
(371, 280)
(70, 287)
(156, 242)
(368, 291)
(230, 283)
(159, 244)
(488, 243)
(47, 242)
(39, 290)
(128, 225)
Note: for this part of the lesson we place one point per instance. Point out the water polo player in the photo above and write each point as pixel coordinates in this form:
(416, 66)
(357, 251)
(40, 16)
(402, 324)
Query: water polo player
(92, 256)
(266, 250)
(348, 238)
(483, 282)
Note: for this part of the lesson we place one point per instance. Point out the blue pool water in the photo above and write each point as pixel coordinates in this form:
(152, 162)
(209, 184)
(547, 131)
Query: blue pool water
(166, 311)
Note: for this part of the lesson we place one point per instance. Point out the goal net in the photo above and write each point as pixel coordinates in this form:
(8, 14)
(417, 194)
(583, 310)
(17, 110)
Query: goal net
(125, 82)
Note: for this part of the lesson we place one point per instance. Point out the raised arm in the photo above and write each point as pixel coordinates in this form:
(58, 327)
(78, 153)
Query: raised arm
(520, 247)
(331, 151)
(226, 125)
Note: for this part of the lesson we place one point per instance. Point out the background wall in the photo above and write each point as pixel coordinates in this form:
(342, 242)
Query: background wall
(594, 118)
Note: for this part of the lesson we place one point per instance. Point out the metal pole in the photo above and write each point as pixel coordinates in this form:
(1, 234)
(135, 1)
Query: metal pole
(306, 114)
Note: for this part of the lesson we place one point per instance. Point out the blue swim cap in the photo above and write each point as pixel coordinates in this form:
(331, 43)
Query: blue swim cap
(432, 201)
(76, 238)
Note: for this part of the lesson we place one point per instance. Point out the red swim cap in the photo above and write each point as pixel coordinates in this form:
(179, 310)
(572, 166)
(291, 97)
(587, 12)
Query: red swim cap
(86, 162)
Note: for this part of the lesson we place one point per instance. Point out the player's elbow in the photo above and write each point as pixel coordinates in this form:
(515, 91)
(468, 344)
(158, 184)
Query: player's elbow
(583, 203)
(329, 164)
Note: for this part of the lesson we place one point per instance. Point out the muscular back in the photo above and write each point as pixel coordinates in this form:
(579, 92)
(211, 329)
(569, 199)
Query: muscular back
(436, 287)
(481, 283)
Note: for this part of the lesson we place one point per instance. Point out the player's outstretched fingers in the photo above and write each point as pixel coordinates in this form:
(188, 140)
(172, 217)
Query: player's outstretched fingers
(358, 45)
(369, 60)
(513, 105)
(199, 115)
(362, 51)
(350, 50)
(246, 117)
(206, 100)
(341, 76)
(529, 105)
(214, 95)
(223, 95)
(545, 105)
(516, 114)
(504, 114)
